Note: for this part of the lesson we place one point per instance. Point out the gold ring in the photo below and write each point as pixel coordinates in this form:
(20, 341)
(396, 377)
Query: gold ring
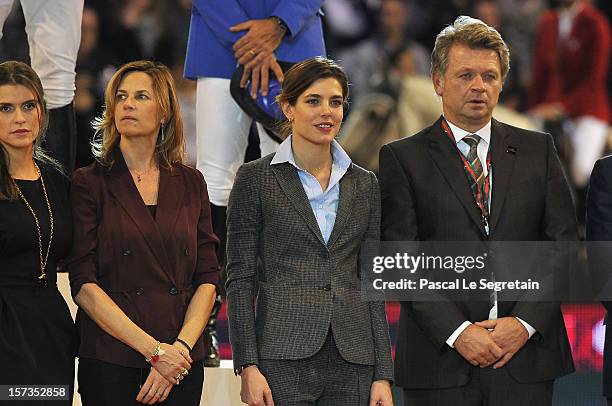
(252, 52)
(184, 371)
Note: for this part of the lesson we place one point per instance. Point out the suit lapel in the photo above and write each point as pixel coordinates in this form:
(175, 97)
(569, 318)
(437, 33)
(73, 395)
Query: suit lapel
(169, 201)
(502, 161)
(347, 196)
(289, 181)
(122, 187)
(445, 156)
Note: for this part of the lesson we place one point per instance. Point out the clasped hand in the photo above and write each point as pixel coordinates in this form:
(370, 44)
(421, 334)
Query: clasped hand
(492, 342)
(262, 38)
(169, 370)
(255, 51)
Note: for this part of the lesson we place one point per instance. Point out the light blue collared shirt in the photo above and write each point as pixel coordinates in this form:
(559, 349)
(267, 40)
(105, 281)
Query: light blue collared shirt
(324, 203)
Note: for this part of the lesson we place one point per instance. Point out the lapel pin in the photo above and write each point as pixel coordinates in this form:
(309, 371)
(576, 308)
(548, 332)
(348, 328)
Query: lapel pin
(511, 149)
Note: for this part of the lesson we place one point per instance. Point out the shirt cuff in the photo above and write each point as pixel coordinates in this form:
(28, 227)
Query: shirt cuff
(530, 330)
(453, 337)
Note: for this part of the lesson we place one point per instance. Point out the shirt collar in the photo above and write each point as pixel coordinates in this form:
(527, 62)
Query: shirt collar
(340, 158)
(484, 133)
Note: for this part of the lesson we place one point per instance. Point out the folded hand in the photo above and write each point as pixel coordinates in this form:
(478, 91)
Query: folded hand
(509, 334)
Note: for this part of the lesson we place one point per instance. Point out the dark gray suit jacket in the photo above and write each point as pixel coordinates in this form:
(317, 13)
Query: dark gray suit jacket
(426, 197)
(599, 233)
(305, 287)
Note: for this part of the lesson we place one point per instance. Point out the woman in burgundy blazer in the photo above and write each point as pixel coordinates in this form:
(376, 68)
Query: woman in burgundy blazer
(143, 268)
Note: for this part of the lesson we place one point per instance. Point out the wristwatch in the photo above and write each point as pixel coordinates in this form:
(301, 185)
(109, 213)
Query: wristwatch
(281, 24)
(241, 368)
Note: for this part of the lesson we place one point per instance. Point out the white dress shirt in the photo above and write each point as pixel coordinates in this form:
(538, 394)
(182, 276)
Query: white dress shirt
(482, 150)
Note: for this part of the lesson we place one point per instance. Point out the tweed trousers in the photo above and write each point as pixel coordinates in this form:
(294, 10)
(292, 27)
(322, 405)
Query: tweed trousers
(324, 379)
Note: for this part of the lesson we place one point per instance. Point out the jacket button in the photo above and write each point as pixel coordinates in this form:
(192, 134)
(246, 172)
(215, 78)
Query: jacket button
(173, 291)
(127, 252)
(139, 291)
(327, 288)
(186, 252)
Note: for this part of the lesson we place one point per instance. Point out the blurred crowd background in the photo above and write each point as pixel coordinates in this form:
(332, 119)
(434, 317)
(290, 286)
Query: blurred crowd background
(383, 44)
(385, 47)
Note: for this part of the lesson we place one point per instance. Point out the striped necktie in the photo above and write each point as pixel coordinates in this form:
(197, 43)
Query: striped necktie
(472, 157)
(478, 191)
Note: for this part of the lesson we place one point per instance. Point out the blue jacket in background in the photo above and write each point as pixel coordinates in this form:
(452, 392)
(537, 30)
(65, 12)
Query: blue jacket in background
(209, 50)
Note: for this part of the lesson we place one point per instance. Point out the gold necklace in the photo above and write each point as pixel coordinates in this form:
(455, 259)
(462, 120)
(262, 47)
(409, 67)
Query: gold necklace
(42, 278)
(139, 175)
(314, 171)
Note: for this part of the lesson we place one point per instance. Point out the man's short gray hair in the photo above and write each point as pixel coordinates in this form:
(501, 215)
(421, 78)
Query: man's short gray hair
(474, 34)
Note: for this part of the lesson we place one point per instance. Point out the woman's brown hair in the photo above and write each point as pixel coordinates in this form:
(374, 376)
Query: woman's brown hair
(20, 74)
(301, 76)
(171, 149)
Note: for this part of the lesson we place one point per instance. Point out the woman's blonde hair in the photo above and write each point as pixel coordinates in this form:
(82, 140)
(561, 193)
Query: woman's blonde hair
(170, 150)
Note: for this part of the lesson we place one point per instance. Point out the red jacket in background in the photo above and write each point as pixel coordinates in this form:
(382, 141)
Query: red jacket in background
(573, 72)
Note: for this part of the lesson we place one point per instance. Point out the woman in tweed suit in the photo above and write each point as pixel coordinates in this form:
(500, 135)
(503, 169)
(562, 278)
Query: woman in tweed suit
(296, 221)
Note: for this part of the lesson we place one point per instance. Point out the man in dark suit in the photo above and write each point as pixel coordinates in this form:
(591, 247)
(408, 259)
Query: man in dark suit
(599, 235)
(469, 177)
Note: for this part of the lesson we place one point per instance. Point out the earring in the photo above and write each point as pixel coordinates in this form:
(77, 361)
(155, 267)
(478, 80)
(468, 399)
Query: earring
(163, 136)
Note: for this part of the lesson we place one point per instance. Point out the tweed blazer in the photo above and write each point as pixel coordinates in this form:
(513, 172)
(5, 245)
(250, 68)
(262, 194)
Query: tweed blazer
(599, 230)
(302, 285)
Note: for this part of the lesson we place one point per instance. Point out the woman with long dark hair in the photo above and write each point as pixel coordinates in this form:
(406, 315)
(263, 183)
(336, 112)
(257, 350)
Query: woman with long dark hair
(37, 335)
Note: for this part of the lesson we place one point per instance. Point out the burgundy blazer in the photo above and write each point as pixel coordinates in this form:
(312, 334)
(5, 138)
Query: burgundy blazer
(573, 72)
(149, 267)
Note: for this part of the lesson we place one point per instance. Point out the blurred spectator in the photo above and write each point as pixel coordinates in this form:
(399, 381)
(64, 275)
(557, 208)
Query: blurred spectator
(173, 19)
(514, 92)
(186, 92)
(14, 44)
(93, 70)
(53, 33)
(368, 63)
(346, 22)
(430, 16)
(149, 29)
(520, 22)
(119, 22)
(86, 105)
(570, 72)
